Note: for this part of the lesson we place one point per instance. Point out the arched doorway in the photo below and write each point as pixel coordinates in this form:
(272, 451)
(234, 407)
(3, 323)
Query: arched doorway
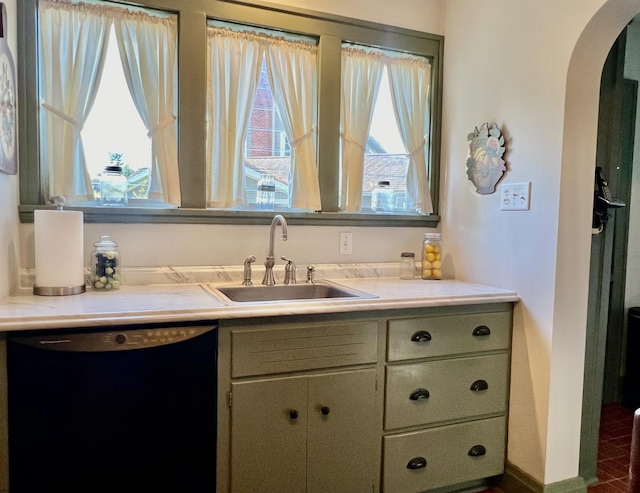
(583, 95)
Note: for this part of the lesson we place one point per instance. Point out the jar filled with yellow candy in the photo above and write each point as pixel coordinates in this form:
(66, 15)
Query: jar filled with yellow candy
(432, 256)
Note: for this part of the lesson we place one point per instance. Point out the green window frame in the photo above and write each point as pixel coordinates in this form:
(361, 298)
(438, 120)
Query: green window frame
(330, 30)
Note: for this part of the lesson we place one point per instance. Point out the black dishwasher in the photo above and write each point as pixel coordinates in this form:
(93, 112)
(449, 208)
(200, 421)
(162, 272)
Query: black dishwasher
(118, 411)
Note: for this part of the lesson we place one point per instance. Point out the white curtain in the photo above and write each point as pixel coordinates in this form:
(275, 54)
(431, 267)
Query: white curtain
(148, 51)
(73, 47)
(361, 72)
(409, 82)
(292, 73)
(235, 60)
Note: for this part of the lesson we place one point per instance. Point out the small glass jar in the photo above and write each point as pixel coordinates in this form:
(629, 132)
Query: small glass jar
(407, 265)
(432, 256)
(382, 197)
(113, 187)
(266, 193)
(105, 265)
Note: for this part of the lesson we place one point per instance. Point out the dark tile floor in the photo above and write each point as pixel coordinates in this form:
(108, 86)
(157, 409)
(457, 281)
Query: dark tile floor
(616, 424)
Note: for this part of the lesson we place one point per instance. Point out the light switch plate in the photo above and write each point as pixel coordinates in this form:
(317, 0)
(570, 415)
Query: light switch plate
(515, 196)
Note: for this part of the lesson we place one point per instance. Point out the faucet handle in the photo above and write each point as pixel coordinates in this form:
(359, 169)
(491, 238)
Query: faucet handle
(289, 271)
(311, 273)
(247, 270)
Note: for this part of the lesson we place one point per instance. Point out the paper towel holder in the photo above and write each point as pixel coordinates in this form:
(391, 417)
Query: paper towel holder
(59, 201)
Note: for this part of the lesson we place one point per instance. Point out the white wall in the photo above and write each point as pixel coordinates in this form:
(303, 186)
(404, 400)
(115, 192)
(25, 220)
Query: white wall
(421, 15)
(151, 245)
(533, 67)
(9, 237)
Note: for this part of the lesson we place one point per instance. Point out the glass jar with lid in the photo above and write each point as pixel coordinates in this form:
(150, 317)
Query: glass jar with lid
(407, 265)
(382, 197)
(105, 264)
(432, 256)
(113, 187)
(266, 193)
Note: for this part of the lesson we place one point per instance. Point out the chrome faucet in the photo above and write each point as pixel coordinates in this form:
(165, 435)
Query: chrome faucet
(268, 279)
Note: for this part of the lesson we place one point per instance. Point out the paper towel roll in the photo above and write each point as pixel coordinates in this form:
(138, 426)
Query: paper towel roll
(59, 238)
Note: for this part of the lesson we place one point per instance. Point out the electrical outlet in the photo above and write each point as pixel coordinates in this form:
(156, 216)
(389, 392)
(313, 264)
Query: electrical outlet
(515, 196)
(346, 243)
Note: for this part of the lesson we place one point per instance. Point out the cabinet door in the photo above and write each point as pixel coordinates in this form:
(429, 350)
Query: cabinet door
(342, 435)
(269, 436)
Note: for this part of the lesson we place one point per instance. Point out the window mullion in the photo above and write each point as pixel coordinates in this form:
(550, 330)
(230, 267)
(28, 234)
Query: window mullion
(329, 52)
(32, 179)
(192, 90)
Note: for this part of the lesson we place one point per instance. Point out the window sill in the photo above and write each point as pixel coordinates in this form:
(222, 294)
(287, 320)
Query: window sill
(202, 216)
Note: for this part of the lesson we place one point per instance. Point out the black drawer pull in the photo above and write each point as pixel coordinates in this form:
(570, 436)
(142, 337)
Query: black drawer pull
(419, 395)
(481, 330)
(417, 463)
(325, 410)
(477, 451)
(421, 336)
(479, 385)
(293, 414)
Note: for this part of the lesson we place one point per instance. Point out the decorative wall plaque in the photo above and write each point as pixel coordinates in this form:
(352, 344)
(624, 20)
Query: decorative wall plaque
(485, 165)
(8, 138)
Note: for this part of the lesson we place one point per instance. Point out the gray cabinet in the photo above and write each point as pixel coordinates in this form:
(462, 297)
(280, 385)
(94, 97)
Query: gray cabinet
(402, 402)
(303, 408)
(446, 392)
(298, 434)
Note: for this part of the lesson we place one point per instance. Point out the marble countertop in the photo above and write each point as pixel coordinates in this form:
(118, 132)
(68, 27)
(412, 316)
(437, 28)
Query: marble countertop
(187, 299)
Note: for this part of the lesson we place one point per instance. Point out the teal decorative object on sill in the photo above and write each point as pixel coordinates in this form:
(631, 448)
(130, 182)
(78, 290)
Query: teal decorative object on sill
(485, 165)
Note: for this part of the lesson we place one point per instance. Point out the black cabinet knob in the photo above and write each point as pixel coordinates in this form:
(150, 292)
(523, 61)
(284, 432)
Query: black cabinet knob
(477, 451)
(325, 410)
(481, 330)
(293, 414)
(419, 395)
(421, 336)
(417, 463)
(479, 385)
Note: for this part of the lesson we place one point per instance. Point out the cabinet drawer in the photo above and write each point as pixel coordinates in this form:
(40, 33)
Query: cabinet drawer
(425, 337)
(433, 391)
(302, 347)
(438, 457)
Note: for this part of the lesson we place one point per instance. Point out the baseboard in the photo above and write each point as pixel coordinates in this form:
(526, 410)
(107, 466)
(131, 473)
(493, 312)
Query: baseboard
(515, 480)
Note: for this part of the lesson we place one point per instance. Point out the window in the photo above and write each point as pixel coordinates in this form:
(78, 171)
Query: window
(107, 78)
(297, 136)
(267, 148)
(115, 134)
(261, 84)
(385, 95)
